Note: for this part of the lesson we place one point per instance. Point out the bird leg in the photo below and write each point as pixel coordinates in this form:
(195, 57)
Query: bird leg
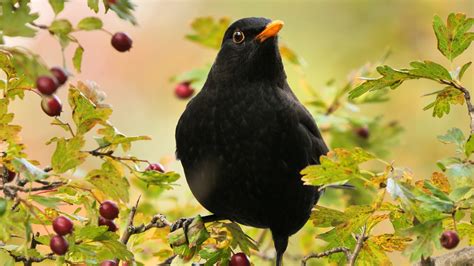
(281, 242)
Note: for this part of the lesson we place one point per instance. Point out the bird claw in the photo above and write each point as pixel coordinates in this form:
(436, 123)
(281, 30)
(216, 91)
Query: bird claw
(181, 223)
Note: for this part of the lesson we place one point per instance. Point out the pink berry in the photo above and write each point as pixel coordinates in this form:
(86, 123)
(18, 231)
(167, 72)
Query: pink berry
(449, 239)
(155, 167)
(62, 225)
(59, 245)
(184, 90)
(51, 105)
(46, 85)
(121, 42)
(109, 210)
(59, 74)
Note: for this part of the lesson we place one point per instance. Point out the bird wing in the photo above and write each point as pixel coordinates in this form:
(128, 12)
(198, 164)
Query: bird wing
(308, 129)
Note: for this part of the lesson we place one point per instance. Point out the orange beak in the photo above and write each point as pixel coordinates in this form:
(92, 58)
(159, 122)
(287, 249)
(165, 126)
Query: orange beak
(270, 30)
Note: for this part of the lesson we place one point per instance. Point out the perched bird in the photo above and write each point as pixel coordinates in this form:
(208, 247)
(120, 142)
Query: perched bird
(245, 137)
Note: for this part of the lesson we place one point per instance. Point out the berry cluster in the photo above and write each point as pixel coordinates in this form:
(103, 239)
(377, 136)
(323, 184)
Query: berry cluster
(108, 212)
(48, 85)
(62, 226)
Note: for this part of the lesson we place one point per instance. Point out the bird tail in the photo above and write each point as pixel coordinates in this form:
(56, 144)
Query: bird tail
(337, 186)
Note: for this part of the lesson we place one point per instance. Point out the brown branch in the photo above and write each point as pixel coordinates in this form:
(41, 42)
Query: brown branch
(40, 26)
(360, 242)
(16, 188)
(345, 250)
(350, 256)
(109, 154)
(31, 259)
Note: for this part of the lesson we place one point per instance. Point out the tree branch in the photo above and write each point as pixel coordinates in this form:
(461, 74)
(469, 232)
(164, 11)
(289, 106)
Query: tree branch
(345, 250)
(360, 242)
(109, 154)
(350, 256)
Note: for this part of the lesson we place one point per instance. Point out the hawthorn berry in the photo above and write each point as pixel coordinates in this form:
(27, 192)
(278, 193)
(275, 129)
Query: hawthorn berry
(363, 132)
(109, 223)
(109, 210)
(62, 225)
(59, 245)
(46, 85)
(51, 105)
(239, 259)
(121, 42)
(108, 263)
(183, 90)
(10, 175)
(59, 74)
(449, 239)
(155, 167)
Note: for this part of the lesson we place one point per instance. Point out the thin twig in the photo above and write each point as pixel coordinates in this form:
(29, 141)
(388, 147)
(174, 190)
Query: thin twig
(110, 155)
(31, 259)
(467, 97)
(344, 250)
(129, 229)
(358, 248)
(50, 186)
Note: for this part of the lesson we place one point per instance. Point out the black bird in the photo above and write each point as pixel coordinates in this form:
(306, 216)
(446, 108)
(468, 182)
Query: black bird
(245, 137)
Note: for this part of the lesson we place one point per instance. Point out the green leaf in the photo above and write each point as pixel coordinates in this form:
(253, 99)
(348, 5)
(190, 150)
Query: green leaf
(429, 70)
(454, 136)
(326, 217)
(85, 113)
(124, 9)
(15, 21)
(240, 239)
(57, 5)
(208, 32)
(372, 254)
(3, 206)
(197, 77)
(156, 178)
(290, 55)
(28, 170)
(113, 138)
(463, 70)
(60, 27)
(444, 99)
(68, 154)
(391, 78)
(337, 166)
(466, 230)
(469, 146)
(427, 236)
(77, 58)
(90, 23)
(93, 5)
(111, 180)
(51, 202)
(453, 37)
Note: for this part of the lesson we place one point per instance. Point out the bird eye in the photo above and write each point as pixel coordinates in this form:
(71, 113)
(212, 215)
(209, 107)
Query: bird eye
(238, 37)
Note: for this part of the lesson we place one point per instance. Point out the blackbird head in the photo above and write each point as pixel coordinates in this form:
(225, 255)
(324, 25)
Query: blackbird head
(249, 51)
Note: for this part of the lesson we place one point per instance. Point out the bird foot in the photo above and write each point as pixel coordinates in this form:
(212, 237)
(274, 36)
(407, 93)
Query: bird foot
(181, 223)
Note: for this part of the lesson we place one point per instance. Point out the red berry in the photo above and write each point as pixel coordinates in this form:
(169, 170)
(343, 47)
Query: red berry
(111, 2)
(59, 245)
(46, 85)
(10, 175)
(449, 239)
(62, 225)
(108, 223)
(239, 259)
(59, 74)
(121, 42)
(109, 210)
(108, 263)
(363, 132)
(155, 167)
(51, 105)
(183, 90)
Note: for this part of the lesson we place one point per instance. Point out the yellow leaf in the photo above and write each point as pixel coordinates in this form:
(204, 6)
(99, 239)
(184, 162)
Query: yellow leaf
(390, 242)
(441, 181)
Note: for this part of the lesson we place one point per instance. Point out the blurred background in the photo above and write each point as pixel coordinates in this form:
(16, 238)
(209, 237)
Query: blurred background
(333, 37)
